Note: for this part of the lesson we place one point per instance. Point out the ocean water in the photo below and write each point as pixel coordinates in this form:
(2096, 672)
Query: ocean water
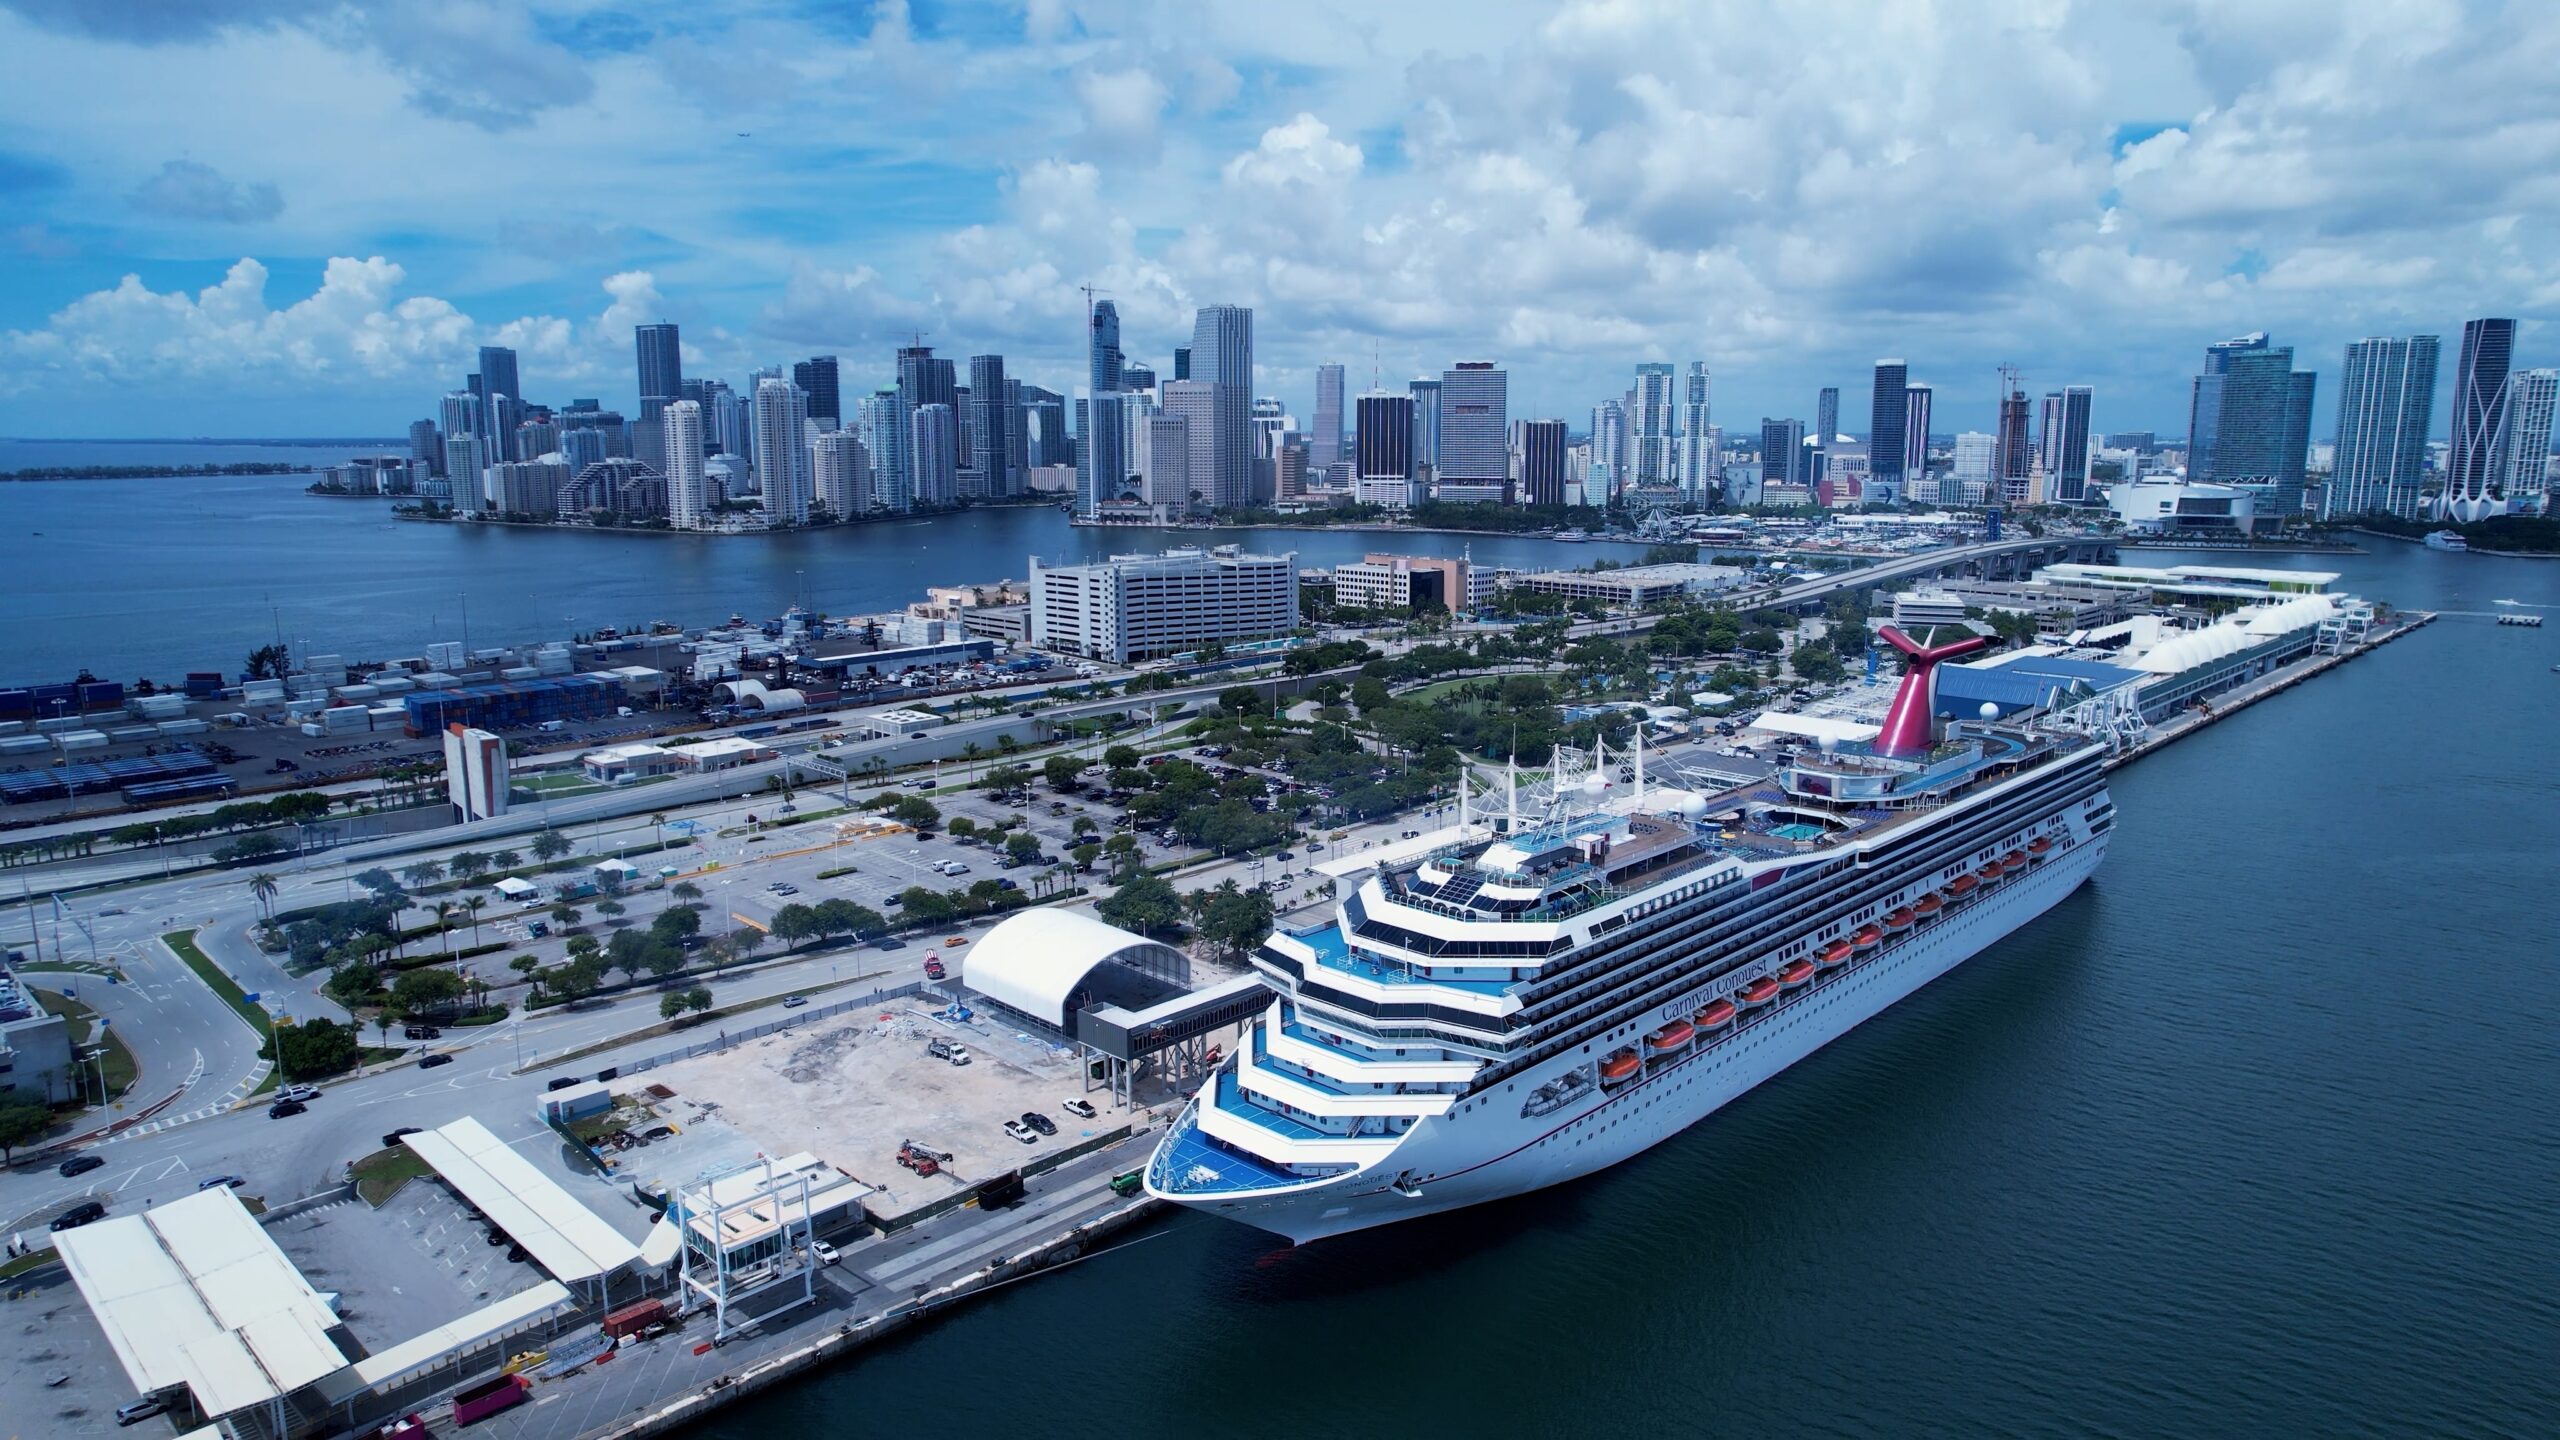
(2252, 1136)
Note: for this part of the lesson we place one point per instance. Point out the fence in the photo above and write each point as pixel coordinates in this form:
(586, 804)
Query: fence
(789, 1020)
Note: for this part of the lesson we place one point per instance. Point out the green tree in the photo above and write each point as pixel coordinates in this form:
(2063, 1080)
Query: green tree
(423, 874)
(1084, 855)
(1120, 757)
(1763, 641)
(675, 924)
(263, 886)
(1817, 663)
(505, 860)
(1085, 825)
(671, 1005)
(550, 845)
(697, 999)
(916, 811)
(21, 1120)
(315, 1048)
(843, 917)
(1147, 905)
(426, 991)
(610, 908)
(929, 906)
(962, 827)
(1061, 772)
(793, 924)
(468, 863)
(565, 914)
(685, 891)
(526, 965)
(1022, 846)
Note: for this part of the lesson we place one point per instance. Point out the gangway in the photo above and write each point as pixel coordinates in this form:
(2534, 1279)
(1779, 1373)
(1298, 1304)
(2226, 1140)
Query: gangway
(1116, 1039)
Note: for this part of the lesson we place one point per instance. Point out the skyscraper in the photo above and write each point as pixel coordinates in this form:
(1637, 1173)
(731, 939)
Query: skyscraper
(1102, 461)
(498, 379)
(1697, 450)
(1542, 477)
(1917, 401)
(936, 431)
(2479, 418)
(923, 380)
(2015, 468)
(1222, 355)
(1195, 402)
(1325, 444)
(839, 473)
(1475, 423)
(1161, 447)
(1426, 421)
(1383, 465)
(1652, 426)
(2386, 394)
(782, 450)
(2049, 432)
(661, 367)
(816, 377)
(1609, 451)
(1782, 457)
(2249, 422)
(1016, 441)
(1181, 362)
(2067, 449)
(991, 432)
(680, 426)
(2530, 397)
(1045, 437)
(1886, 421)
(876, 417)
(1826, 414)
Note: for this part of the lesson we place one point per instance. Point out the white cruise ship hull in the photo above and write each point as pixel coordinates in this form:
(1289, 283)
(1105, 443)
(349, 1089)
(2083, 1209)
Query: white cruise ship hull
(1485, 1148)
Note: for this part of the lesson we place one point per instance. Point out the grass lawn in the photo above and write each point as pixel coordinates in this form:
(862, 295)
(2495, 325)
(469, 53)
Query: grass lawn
(379, 1175)
(119, 1066)
(184, 943)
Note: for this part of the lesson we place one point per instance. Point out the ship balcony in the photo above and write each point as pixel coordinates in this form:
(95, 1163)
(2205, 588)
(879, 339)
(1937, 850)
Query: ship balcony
(1190, 1163)
(1228, 1114)
(1259, 1077)
(1296, 1043)
(1384, 980)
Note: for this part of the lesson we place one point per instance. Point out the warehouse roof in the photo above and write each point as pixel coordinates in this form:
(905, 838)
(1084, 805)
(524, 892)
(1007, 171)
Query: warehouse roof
(562, 1235)
(194, 1293)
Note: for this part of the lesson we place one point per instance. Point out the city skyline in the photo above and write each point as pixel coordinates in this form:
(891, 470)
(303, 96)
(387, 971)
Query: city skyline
(282, 280)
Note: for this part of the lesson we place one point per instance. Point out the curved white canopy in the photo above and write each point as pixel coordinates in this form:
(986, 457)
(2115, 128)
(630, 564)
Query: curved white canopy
(1033, 961)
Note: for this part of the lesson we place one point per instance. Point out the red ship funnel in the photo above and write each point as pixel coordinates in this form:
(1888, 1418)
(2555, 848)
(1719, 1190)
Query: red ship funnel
(1906, 725)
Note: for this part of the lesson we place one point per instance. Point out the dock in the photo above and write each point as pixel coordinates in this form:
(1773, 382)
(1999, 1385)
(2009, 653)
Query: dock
(2275, 682)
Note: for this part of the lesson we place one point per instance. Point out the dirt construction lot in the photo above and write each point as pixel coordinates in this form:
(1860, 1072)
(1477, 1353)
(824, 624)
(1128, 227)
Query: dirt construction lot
(853, 1089)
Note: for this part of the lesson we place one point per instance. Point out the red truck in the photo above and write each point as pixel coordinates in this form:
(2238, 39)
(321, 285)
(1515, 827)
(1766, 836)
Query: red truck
(488, 1398)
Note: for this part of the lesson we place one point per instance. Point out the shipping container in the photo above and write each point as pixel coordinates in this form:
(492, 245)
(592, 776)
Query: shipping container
(204, 684)
(488, 1398)
(183, 726)
(635, 1317)
(101, 694)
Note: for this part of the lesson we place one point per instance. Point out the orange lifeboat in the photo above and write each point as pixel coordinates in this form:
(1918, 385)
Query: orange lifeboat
(1961, 887)
(1928, 906)
(1796, 973)
(1671, 1039)
(1836, 953)
(1867, 938)
(1758, 992)
(1620, 1068)
(1717, 1015)
(2014, 861)
(2039, 848)
(1899, 921)
(1988, 873)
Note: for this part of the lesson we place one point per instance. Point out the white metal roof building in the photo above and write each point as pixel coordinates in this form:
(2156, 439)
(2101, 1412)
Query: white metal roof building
(562, 1235)
(193, 1294)
(1033, 961)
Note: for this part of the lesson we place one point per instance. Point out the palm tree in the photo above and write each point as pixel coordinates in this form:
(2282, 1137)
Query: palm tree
(970, 752)
(263, 885)
(475, 905)
(444, 924)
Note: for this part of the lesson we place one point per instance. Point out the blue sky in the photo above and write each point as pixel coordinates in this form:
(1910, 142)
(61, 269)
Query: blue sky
(259, 217)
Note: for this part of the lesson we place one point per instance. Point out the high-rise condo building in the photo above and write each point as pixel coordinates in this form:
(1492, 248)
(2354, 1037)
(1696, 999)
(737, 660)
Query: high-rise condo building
(1609, 458)
(1196, 404)
(2530, 394)
(1222, 355)
(2249, 422)
(876, 418)
(2067, 446)
(1475, 423)
(1426, 421)
(2479, 418)
(1885, 424)
(1325, 443)
(1653, 427)
(1383, 468)
(1782, 457)
(1826, 415)
(1698, 458)
(661, 367)
(1162, 446)
(1917, 401)
(782, 450)
(1102, 461)
(839, 472)
(1181, 362)
(1045, 437)
(498, 381)
(2386, 396)
(426, 445)
(936, 428)
(816, 377)
(680, 429)
(991, 456)
(1542, 462)
(922, 380)
(2017, 461)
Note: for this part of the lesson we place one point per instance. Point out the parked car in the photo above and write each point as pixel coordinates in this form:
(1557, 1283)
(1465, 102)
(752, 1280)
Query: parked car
(1081, 1109)
(392, 1138)
(561, 1082)
(1039, 1122)
(282, 1108)
(1021, 1132)
(141, 1410)
(79, 1165)
(83, 1213)
(217, 1181)
(429, 1062)
(795, 1002)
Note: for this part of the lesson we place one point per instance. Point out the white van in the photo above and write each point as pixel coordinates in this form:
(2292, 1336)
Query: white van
(552, 727)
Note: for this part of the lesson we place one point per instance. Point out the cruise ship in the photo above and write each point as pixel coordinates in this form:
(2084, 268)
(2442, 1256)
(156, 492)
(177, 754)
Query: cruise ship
(1585, 966)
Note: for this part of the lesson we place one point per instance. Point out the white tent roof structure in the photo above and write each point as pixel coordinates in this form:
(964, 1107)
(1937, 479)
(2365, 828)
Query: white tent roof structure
(1034, 960)
(1816, 727)
(194, 1293)
(441, 1344)
(562, 1235)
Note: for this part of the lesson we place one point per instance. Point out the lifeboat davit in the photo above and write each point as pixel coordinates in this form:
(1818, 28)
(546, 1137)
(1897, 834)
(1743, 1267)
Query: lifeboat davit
(2038, 848)
(1928, 906)
(1716, 1016)
(1796, 973)
(1836, 953)
(2014, 861)
(1618, 1069)
(1899, 921)
(1758, 992)
(1867, 938)
(1988, 873)
(1671, 1039)
(1961, 886)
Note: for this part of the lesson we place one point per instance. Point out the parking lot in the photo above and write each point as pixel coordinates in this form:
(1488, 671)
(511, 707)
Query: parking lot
(852, 1090)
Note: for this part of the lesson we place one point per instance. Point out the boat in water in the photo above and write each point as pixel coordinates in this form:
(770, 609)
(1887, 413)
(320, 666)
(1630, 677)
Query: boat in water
(1581, 968)
(2446, 540)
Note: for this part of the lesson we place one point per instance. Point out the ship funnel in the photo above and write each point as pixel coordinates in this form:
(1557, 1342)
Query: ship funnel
(1906, 725)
